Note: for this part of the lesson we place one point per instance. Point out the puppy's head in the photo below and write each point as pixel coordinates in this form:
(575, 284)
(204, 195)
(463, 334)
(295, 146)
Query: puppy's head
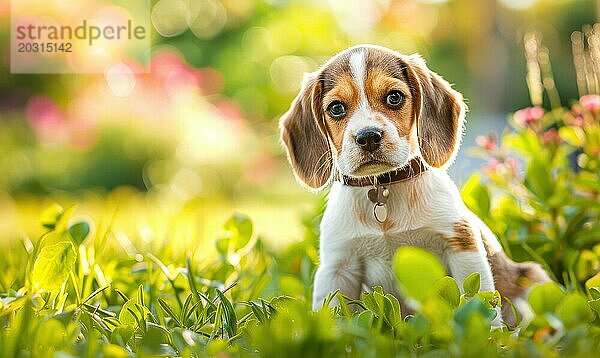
(367, 111)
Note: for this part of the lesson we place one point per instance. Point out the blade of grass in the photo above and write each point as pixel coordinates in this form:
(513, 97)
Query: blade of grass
(94, 294)
(165, 306)
(190, 277)
(229, 313)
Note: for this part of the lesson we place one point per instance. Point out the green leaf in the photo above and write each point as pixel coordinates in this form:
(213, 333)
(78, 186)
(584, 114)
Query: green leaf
(50, 333)
(575, 136)
(191, 279)
(574, 309)
(544, 298)
(595, 305)
(115, 351)
(476, 196)
(365, 319)
(595, 292)
(229, 315)
(526, 142)
(51, 215)
(490, 298)
(392, 311)
(538, 178)
(474, 306)
(593, 282)
(79, 232)
(52, 266)
(154, 340)
(169, 311)
(417, 271)
(371, 303)
(472, 284)
(447, 289)
(183, 338)
(240, 227)
(222, 244)
(122, 334)
(133, 312)
(258, 312)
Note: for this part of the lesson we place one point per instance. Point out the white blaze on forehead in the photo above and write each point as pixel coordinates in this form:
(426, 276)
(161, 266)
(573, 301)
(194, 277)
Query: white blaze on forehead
(357, 68)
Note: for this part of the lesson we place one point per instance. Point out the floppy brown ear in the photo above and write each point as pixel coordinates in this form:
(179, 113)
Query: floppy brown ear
(303, 136)
(440, 113)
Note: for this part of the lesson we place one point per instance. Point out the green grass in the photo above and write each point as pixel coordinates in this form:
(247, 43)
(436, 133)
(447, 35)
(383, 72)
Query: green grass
(93, 293)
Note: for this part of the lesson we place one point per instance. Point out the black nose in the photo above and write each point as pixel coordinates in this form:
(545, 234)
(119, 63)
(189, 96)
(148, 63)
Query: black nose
(369, 139)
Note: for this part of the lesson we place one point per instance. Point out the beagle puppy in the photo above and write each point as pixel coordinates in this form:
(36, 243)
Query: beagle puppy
(381, 127)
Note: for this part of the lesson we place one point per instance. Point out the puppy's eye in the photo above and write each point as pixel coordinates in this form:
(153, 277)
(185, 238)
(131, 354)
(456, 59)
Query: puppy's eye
(337, 110)
(394, 99)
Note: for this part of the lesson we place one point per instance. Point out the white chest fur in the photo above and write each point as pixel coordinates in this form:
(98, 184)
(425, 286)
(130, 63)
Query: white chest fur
(417, 209)
(357, 250)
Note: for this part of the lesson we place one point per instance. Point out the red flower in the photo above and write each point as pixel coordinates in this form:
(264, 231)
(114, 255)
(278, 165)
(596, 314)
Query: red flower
(486, 142)
(590, 101)
(528, 115)
(551, 137)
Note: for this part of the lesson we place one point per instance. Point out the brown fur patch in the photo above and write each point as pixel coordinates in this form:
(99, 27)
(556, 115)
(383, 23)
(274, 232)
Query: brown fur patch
(439, 122)
(363, 216)
(377, 86)
(464, 239)
(304, 138)
(414, 193)
(345, 91)
(388, 224)
(429, 104)
(512, 279)
(385, 72)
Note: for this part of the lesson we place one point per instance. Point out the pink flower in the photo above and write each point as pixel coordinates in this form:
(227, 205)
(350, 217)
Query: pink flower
(591, 102)
(211, 80)
(486, 142)
(501, 166)
(493, 164)
(511, 163)
(551, 137)
(170, 69)
(576, 110)
(228, 109)
(42, 111)
(528, 115)
(46, 118)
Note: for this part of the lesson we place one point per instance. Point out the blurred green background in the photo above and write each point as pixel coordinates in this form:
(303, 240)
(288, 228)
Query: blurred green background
(196, 139)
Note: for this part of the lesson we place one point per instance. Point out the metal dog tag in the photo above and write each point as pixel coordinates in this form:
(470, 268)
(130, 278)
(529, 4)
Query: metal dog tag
(378, 196)
(380, 212)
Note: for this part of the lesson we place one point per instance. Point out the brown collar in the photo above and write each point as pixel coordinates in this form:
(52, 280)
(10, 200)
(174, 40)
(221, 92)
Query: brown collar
(410, 170)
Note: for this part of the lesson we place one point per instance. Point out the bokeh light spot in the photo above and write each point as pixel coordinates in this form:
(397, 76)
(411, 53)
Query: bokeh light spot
(120, 79)
(287, 72)
(170, 17)
(208, 17)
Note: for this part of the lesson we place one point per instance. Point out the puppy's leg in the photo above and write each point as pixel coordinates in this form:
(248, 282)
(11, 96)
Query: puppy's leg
(464, 263)
(515, 280)
(345, 275)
